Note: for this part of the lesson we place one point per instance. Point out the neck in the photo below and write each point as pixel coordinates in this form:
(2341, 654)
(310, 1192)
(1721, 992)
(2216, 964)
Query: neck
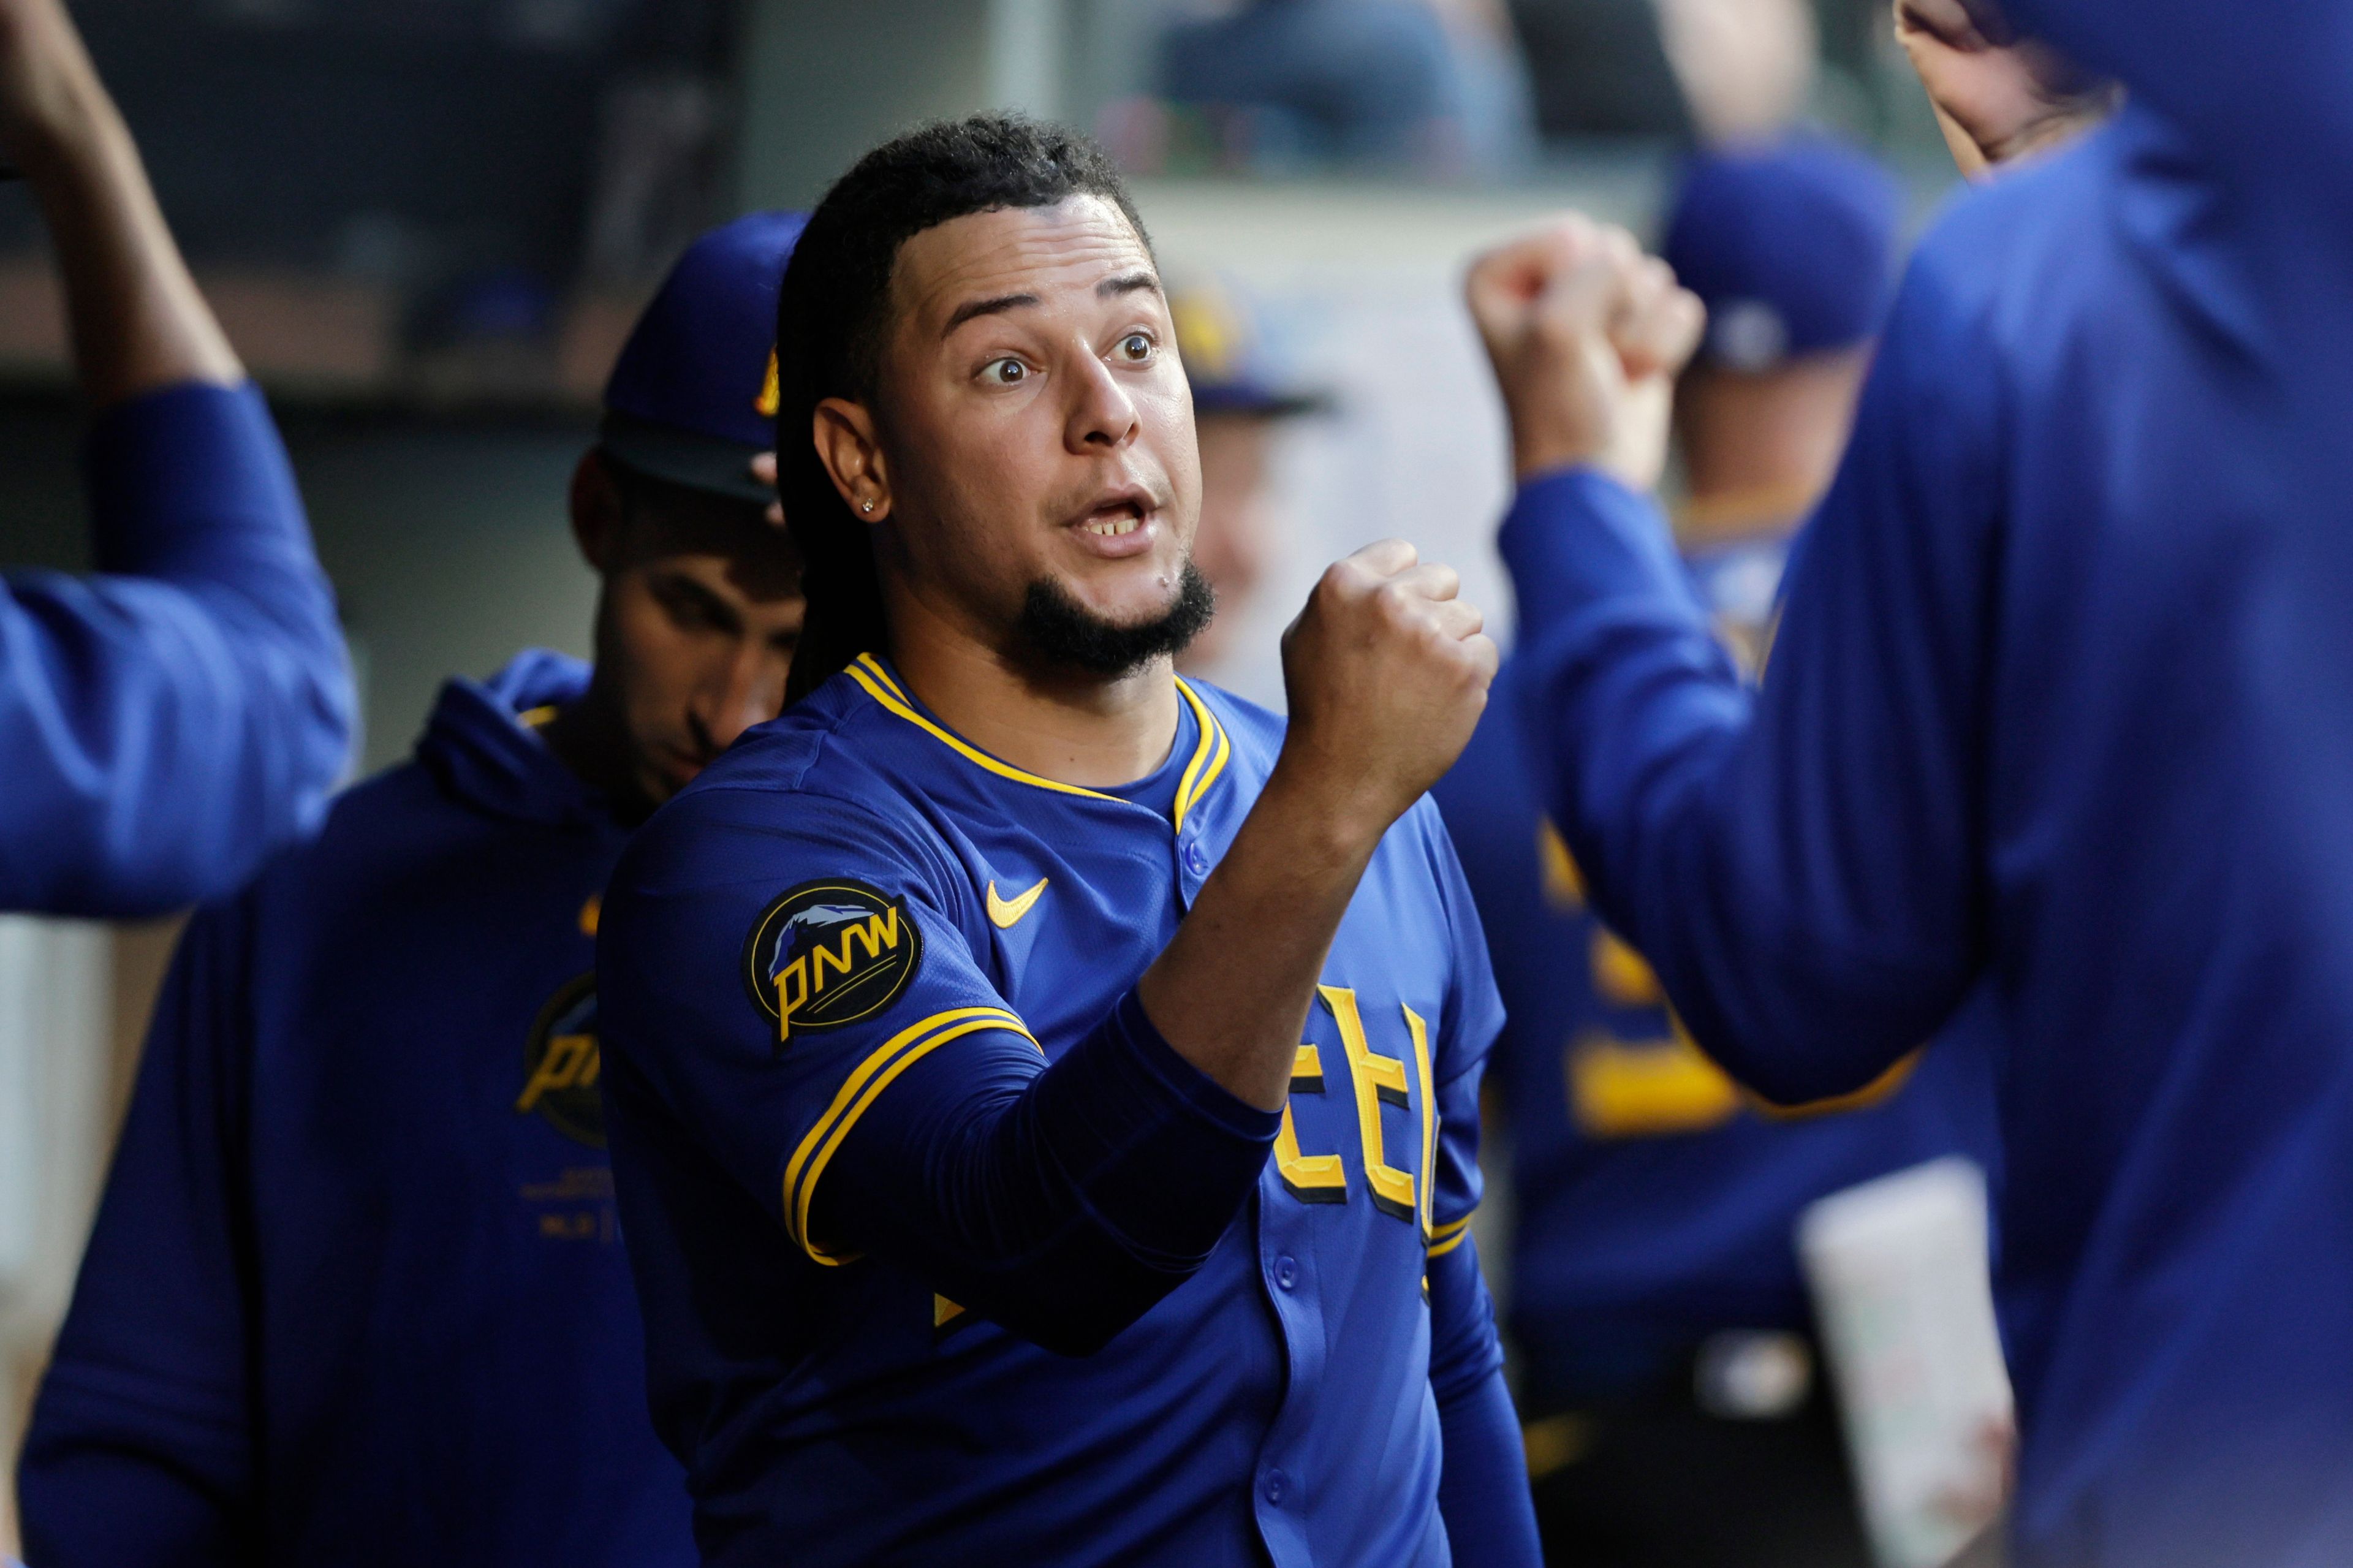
(1068, 726)
(589, 737)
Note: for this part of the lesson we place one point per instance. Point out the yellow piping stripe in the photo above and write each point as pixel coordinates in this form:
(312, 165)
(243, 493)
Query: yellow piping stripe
(1450, 1230)
(863, 1087)
(1213, 751)
(1440, 1248)
(879, 688)
(875, 668)
(1206, 743)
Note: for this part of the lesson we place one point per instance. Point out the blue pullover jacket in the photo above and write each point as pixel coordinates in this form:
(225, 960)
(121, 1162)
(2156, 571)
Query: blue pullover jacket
(355, 1295)
(2059, 714)
(168, 724)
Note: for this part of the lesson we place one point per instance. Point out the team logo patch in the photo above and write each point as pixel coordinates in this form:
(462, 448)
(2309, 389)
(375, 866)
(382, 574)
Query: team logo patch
(830, 954)
(560, 1062)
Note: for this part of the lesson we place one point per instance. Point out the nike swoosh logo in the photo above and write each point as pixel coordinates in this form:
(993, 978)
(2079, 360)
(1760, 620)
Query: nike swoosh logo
(1006, 913)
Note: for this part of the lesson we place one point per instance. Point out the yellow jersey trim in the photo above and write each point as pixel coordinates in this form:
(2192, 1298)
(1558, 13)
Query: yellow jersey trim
(868, 673)
(1208, 757)
(1445, 1239)
(1210, 753)
(861, 1089)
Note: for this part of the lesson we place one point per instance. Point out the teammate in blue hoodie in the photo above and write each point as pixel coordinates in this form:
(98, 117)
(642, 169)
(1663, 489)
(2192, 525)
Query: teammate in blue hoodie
(356, 1293)
(2056, 721)
(167, 724)
(1676, 1413)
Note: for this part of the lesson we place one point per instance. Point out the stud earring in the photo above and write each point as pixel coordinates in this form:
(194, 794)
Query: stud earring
(867, 507)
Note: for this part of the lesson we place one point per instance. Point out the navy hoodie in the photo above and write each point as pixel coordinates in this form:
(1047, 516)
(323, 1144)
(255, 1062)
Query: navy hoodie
(2060, 720)
(356, 1293)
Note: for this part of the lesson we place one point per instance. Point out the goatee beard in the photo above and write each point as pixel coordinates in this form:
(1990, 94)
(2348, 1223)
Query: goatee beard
(1064, 634)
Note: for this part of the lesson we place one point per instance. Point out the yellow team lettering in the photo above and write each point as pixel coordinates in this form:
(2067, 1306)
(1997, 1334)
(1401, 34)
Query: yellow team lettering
(1310, 1178)
(572, 1061)
(1420, 1033)
(804, 978)
(1377, 1078)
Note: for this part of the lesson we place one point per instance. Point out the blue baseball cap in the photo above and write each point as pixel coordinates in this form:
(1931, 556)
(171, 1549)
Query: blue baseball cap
(692, 399)
(1225, 356)
(1790, 246)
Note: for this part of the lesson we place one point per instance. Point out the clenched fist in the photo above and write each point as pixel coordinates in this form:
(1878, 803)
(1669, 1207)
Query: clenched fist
(1586, 334)
(1387, 673)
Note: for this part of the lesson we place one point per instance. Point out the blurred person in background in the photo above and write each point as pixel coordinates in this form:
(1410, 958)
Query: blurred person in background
(1713, 71)
(2056, 724)
(1240, 406)
(167, 724)
(355, 1292)
(1671, 1373)
(1430, 85)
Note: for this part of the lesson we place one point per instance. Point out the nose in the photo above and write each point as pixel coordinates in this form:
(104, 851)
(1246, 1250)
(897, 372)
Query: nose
(1103, 415)
(748, 690)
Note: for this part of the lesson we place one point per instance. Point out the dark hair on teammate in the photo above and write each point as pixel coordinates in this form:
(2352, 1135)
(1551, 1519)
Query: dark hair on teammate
(833, 317)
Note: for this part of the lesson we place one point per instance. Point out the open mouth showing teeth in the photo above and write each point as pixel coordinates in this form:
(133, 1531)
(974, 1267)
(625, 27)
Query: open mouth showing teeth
(1112, 524)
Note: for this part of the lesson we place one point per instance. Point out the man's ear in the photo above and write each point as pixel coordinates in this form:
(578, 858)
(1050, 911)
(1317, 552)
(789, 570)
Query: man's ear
(850, 446)
(598, 516)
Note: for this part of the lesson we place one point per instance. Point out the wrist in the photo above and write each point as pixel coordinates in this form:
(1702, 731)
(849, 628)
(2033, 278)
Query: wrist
(1333, 820)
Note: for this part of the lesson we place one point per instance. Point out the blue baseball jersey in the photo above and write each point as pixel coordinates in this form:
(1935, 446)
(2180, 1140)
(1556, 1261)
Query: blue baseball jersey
(2058, 715)
(1654, 1200)
(356, 1292)
(168, 724)
(855, 913)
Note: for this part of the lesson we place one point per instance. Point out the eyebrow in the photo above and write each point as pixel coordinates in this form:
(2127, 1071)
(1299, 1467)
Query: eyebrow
(1110, 287)
(997, 306)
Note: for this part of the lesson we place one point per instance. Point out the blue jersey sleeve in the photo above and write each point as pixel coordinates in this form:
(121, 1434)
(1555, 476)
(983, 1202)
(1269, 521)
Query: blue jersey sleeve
(1482, 1485)
(794, 979)
(1799, 863)
(171, 722)
(141, 1444)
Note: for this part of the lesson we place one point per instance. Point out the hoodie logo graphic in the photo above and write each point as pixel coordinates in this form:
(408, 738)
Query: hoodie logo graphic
(561, 1063)
(828, 954)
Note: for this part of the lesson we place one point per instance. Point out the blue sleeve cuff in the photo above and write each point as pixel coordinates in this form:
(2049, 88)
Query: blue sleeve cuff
(1576, 536)
(185, 476)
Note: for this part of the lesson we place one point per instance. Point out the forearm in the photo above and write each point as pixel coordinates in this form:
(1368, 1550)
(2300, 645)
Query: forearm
(137, 319)
(1230, 993)
(1482, 1490)
(1062, 1203)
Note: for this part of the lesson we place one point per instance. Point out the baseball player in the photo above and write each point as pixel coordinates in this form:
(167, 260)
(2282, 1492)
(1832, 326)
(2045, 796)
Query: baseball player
(1043, 1089)
(356, 1292)
(2056, 725)
(1676, 1415)
(168, 723)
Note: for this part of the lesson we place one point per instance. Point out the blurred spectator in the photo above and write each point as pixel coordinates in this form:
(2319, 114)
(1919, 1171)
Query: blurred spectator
(1599, 68)
(1717, 70)
(1747, 66)
(1676, 1413)
(1237, 402)
(1424, 84)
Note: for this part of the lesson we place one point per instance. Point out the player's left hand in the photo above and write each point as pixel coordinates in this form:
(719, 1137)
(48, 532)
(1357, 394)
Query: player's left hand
(1586, 335)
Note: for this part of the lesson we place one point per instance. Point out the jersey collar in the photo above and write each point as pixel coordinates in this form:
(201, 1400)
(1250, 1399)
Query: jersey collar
(1211, 749)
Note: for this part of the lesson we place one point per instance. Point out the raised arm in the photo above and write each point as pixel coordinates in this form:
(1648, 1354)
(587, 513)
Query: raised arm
(1061, 1201)
(165, 726)
(1798, 864)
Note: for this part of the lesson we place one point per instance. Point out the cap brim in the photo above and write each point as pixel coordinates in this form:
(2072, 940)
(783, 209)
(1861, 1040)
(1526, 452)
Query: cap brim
(684, 457)
(1262, 402)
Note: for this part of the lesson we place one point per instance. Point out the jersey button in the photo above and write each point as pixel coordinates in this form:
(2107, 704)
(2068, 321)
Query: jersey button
(1197, 859)
(1286, 1272)
(1274, 1486)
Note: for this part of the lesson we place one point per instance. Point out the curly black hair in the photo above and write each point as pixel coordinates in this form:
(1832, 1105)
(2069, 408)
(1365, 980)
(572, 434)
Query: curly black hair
(833, 317)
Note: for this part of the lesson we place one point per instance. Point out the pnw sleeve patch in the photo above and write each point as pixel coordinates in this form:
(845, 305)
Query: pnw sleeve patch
(827, 953)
